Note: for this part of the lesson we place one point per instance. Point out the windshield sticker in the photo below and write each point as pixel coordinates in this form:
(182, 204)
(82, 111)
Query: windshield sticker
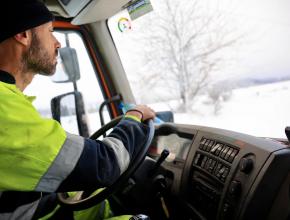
(139, 8)
(124, 24)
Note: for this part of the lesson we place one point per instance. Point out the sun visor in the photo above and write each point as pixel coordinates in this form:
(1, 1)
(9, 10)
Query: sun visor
(95, 10)
(73, 7)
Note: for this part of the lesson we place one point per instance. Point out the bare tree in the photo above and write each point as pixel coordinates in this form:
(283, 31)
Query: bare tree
(181, 50)
(219, 93)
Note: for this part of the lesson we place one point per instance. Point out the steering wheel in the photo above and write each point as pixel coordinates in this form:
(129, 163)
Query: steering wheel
(76, 202)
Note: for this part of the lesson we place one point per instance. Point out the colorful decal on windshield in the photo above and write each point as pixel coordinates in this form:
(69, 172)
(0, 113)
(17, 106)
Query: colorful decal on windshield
(124, 24)
(139, 8)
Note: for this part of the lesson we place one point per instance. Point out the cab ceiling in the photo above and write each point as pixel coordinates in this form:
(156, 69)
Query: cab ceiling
(94, 10)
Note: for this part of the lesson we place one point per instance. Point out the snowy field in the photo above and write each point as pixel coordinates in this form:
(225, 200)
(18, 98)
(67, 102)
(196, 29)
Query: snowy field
(260, 110)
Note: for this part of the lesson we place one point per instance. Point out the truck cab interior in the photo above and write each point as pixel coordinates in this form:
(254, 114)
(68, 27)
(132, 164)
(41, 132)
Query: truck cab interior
(219, 148)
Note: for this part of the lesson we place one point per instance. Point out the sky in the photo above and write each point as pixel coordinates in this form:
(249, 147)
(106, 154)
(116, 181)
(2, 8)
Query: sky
(267, 24)
(264, 24)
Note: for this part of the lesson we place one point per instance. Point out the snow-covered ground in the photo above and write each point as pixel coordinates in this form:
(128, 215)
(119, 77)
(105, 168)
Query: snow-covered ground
(262, 110)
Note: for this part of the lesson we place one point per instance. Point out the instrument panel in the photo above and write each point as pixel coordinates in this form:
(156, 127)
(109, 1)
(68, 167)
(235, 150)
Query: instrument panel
(227, 175)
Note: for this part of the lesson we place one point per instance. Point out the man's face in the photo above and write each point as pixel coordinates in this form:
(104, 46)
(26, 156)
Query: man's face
(41, 55)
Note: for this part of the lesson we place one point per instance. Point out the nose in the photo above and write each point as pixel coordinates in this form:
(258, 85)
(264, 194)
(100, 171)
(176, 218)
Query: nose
(57, 44)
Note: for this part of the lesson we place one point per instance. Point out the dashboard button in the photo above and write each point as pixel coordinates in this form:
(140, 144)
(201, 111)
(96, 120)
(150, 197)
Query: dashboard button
(218, 150)
(224, 151)
(202, 143)
(235, 188)
(227, 156)
(203, 161)
(217, 170)
(196, 159)
(225, 174)
(212, 166)
(206, 145)
(210, 146)
(228, 211)
(208, 163)
(233, 155)
(214, 149)
(220, 171)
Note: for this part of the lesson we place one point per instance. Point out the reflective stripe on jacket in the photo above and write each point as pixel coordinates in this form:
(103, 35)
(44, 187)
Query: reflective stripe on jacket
(36, 153)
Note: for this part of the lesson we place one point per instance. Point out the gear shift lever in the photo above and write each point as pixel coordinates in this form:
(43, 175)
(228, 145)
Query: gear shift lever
(163, 156)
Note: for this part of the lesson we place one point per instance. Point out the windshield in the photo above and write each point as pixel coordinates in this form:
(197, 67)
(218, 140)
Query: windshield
(213, 63)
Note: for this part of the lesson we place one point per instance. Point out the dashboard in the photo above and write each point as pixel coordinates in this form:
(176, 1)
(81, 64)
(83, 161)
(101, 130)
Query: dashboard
(221, 174)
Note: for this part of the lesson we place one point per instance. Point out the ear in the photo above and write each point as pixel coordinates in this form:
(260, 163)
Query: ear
(23, 37)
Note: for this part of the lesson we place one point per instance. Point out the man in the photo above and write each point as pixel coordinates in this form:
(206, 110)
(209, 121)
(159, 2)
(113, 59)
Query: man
(36, 154)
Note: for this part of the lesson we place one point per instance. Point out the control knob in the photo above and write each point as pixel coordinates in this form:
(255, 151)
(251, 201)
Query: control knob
(246, 165)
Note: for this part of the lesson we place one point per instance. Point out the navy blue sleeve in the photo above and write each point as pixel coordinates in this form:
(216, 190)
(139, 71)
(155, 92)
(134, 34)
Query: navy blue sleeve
(99, 164)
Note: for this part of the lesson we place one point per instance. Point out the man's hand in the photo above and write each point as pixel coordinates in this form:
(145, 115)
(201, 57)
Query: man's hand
(142, 112)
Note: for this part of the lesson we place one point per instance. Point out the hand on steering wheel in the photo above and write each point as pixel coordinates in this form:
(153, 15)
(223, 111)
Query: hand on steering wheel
(78, 203)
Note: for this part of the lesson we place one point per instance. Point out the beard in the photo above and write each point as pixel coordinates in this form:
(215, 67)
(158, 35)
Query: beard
(37, 59)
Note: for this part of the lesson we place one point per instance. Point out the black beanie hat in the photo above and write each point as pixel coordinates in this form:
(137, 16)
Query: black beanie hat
(20, 15)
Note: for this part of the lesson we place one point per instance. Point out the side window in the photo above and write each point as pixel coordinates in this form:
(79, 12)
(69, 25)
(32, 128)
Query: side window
(45, 89)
